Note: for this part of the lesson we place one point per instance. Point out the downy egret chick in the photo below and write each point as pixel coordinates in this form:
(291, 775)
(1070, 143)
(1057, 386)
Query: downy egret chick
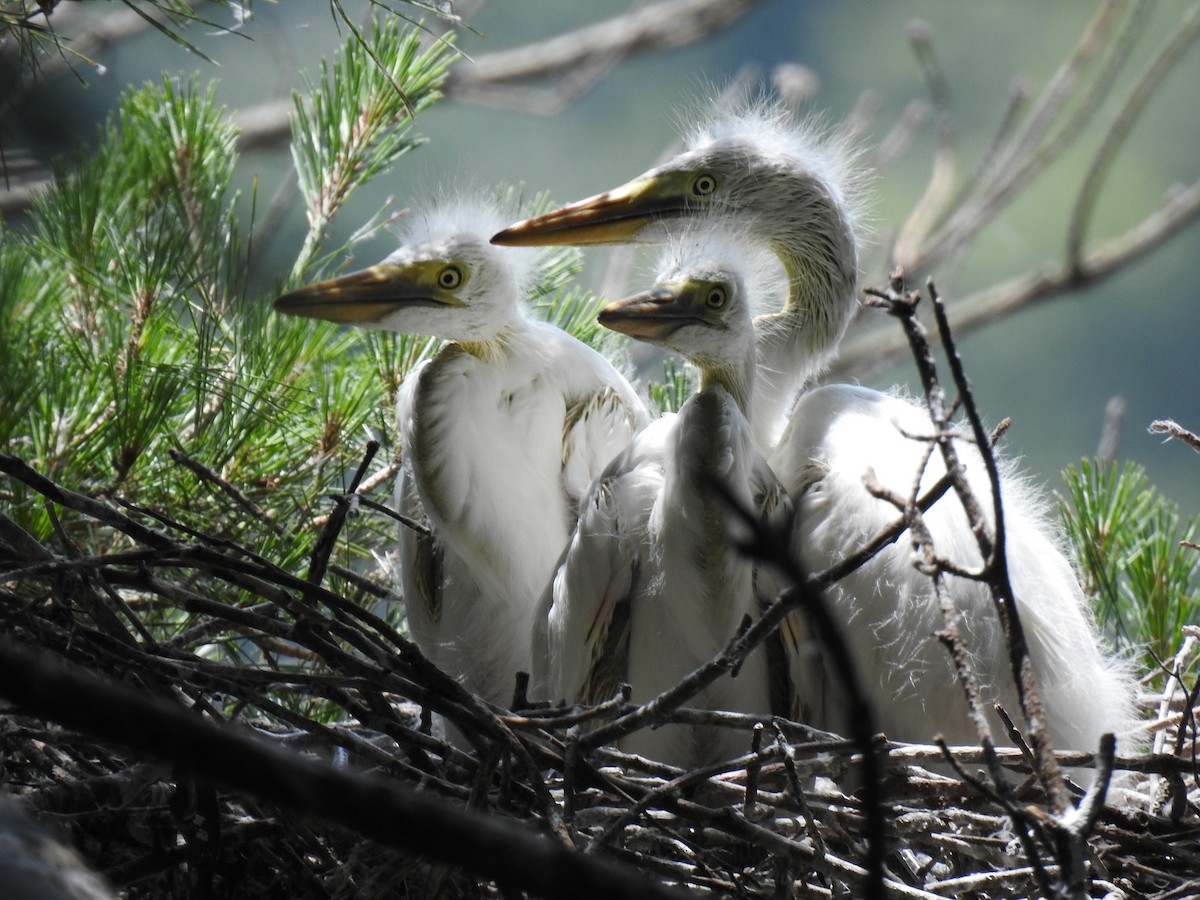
(792, 186)
(502, 433)
(652, 585)
(888, 610)
(800, 193)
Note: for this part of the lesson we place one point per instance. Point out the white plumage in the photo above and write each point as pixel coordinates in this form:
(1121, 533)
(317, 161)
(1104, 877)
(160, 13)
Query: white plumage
(797, 191)
(887, 608)
(795, 188)
(652, 586)
(502, 433)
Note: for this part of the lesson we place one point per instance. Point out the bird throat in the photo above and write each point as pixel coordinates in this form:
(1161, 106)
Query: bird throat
(488, 349)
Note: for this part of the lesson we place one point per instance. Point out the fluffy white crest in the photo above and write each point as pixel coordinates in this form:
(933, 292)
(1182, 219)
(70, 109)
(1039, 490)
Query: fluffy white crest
(469, 219)
(711, 248)
(831, 155)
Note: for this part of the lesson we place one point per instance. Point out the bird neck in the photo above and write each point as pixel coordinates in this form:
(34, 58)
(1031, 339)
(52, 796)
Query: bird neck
(821, 276)
(795, 343)
(490, 348)
(737, 378)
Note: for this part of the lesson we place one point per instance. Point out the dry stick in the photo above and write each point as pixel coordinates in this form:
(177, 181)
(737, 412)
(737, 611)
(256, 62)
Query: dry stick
(996, 567)
(373, 807)
(406, 521)
(1069, 828)
(556, 719)
(1018, 101)
(926, 212)
(1110, 433)
(1162, 63)
(204, 473)
(1029, 151)
(343, 505)
(1174, 430)
(951, 637)
(1030, 827)
(753, 772)
(992, 548)
(897, 142)
(1050, 280)
(667, 23)
(991, 540)
(797, 792)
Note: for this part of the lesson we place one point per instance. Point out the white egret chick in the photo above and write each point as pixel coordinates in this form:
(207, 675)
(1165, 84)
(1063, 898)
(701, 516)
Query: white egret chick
(793, 187)
(798, 192)
(501, 433)
(888, 610)
(652, 585)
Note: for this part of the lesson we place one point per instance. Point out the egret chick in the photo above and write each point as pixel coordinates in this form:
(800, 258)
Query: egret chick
(652, 585)
(888, 609)
(501, 432)
(793, 187)
(798, 191)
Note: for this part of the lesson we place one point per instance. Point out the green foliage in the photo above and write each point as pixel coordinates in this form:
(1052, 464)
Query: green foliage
(1127, 540)
(672, 392)
(357, 121)
(135, 362)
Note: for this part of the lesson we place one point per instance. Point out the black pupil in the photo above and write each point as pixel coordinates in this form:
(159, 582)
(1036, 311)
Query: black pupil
(704, 185)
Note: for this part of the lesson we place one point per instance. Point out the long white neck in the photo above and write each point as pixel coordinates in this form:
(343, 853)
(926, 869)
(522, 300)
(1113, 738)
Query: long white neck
(818, 254)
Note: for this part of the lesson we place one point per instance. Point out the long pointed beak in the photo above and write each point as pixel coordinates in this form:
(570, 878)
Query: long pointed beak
(613, 217)
(360, 298)
(649, 316)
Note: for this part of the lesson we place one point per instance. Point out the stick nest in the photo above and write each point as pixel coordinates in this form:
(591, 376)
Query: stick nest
(320, 668)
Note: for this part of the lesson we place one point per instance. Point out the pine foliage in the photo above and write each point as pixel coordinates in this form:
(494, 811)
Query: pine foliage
(137, 359)
(1127, 539)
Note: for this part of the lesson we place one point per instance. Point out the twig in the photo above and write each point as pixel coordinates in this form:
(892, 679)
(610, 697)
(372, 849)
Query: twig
(1174, 430)
(1181, 39)
(375, 808)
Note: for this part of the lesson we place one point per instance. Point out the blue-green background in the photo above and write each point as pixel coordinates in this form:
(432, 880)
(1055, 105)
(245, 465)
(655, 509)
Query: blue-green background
(1051, 368)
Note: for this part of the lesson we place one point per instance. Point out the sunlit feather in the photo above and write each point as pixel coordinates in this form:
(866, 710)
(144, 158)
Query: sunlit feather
(796, 189)
(501, 434)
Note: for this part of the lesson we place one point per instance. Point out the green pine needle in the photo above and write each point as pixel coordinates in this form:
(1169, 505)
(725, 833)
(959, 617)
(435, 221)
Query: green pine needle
(356, 122)
(1127, 542)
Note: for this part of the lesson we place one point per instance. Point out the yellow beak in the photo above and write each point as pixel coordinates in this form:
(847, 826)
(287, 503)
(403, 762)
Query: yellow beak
(360, 298)
(651, 315)
(613, 217)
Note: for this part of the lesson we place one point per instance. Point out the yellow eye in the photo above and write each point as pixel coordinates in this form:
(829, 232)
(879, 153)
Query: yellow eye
(450, 277)
(704, 184)
(716, 297)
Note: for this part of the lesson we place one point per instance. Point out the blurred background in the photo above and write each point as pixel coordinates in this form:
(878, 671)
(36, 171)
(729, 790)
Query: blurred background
(1052, 367)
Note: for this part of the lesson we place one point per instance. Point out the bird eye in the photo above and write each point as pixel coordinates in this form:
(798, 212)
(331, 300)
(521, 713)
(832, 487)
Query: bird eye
(716, 297)
(450, 277)
(704, 184)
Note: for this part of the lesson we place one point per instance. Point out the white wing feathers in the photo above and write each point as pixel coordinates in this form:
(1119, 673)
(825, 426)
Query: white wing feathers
(587, 622)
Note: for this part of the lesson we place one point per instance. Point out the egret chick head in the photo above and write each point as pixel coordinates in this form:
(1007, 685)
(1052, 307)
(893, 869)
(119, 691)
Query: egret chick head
(702, 304)
(445, 279)
(787, 181)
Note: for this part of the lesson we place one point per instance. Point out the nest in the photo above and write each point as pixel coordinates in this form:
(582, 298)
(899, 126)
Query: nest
(212, 724)
(199, 721)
